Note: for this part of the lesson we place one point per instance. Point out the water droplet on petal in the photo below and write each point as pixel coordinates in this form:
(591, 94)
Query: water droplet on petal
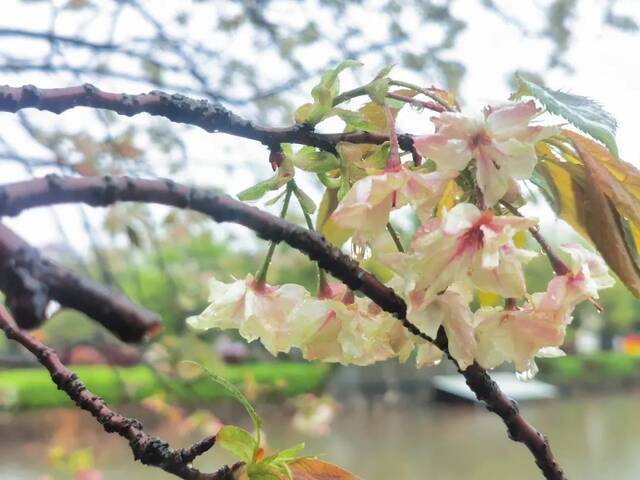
(529, 373)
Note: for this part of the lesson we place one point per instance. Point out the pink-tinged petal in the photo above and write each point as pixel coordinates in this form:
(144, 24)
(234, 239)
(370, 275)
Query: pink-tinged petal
(458, 325)
(451, 310)
(449, 154)
(516, 158)
(516, 336)
(430, 265)
(493, 182)
(400, 342)
(510, 119)
(460, 218)
(333, 291)
(227, 306)
(513, 222)
(322, 344)
(531, 332)
(267, 316)
(456, 125)
(89, 474)
(427, 228)
(553, 298)
(366, 207)
(423, 191)
(364, 335)
(582, 258)
(428, 355)
(424, 313)
(506, 280)
(534, 134)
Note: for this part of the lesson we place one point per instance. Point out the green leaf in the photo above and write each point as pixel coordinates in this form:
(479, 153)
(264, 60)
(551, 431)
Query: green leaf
(329, 79)
(259, 189)
(289, 453)
(275, 199)
(584, 113)
(279, 462)
(238, 441)
(378, 90)
(332, 183)
(325, 224)
(306, 202)
(302, 113)
(378, 158)
(239, 396)
(263, 471)
(354, 120)
(310, 159)
(384, 72)
(323, 94)
(345, 186)
(284, 174)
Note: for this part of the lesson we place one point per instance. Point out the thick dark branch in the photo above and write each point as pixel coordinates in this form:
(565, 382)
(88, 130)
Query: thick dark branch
(212, 117)
(17, 197)
(146, 449)
(30, 281)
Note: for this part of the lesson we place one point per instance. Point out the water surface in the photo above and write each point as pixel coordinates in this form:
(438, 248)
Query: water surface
(594, 438)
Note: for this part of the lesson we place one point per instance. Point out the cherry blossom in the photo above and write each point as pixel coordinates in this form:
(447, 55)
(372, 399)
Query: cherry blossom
(589, 274)
(465, 243)
(451, 311)
(539, 326)
(502, 143)
(257, 310)
(366, 207)
(357, 332)
(517, 335)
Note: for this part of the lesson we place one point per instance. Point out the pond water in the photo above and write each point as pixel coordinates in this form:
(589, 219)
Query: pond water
(593, 437)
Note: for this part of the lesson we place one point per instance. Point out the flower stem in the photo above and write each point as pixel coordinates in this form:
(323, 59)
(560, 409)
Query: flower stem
(261, 275)
(436, 107)
(440, 105)
(348, 95)
(322, 276)
(395, 237)
(394, 153)
(425, 91)
(559, 267)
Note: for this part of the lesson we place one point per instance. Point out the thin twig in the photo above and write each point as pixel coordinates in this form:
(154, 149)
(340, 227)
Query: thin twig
(395, 237)
(146, 449)
(559, 267)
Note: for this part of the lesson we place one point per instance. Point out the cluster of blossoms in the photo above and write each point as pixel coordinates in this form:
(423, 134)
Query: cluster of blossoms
(468, 248)
(336, 326)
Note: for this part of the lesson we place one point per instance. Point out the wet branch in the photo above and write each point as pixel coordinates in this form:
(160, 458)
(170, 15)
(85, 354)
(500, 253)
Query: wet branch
(210, 116)
(17, 197)
(31, 281)
(146, 449)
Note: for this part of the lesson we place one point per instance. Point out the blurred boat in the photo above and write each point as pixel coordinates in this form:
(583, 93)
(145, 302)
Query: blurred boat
(453, 388)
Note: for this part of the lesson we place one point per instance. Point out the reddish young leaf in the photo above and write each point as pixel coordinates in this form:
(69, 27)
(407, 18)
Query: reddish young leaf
(314, 469)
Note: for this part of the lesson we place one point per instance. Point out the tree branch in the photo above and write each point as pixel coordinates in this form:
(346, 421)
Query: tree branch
(146, 449)
(31, 281)
(17, 197)
(212, 117)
